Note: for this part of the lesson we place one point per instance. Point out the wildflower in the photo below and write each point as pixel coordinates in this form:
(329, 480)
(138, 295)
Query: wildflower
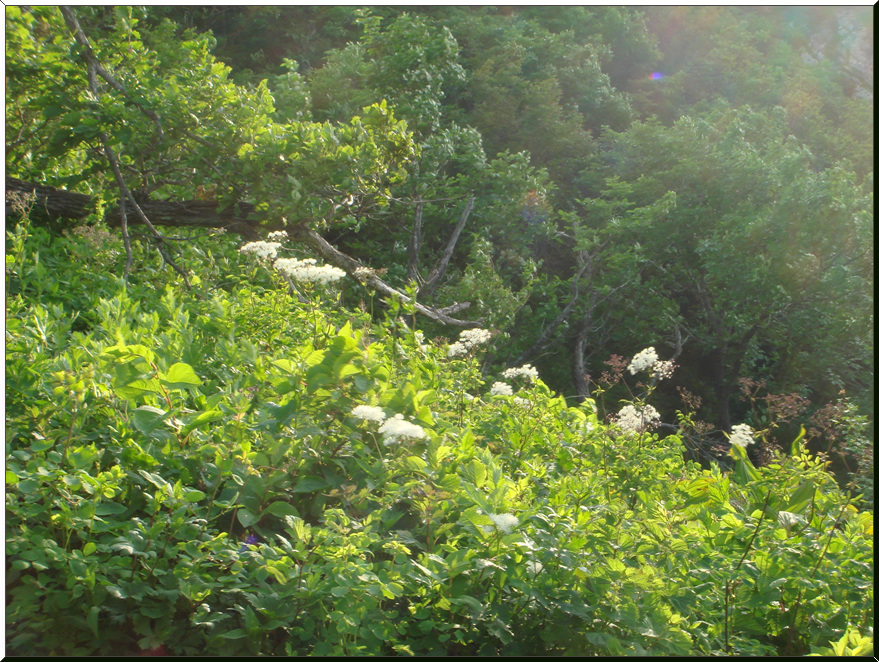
(501, 388)
(637, 419)
(263, 250)
(643, 360)
(362, 273)
(396, 428)
(368, 413)
(468, 340)
(307, 271)
(663, 369)
(742, 435)
(504, 522)
(278, 235)
(521, 402)
(248, 541)
(526, 371)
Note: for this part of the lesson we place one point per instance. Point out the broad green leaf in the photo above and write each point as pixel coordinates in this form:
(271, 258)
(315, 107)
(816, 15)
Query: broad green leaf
(310, 484)
(200, 419)
(147, 419)
(139, 388)
(247, 518)
(42, 444)
(281, 509)
(179, 376)
(194, 495)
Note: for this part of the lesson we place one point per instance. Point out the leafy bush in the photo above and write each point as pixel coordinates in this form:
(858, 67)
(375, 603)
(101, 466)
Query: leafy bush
(253, 472)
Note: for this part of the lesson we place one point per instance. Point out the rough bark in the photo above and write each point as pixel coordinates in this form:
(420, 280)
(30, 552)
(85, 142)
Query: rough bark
(55, 204)
(51, 204)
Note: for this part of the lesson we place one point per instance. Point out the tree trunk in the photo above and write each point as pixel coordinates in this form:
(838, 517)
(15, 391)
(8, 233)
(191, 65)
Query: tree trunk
(53, 204)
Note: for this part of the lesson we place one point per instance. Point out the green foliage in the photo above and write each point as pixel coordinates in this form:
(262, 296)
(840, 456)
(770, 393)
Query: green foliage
(193, 476)
(253, 467)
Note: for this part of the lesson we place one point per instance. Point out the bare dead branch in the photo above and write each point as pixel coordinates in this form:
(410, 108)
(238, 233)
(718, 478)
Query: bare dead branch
(328, 252)
(415, 245)
(439, 270)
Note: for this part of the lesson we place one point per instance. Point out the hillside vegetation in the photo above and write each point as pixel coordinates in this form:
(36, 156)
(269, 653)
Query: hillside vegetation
(438, 331)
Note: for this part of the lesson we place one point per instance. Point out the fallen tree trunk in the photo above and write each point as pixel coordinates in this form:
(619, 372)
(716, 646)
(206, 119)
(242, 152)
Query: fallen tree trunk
(51, 204)
(54, 204)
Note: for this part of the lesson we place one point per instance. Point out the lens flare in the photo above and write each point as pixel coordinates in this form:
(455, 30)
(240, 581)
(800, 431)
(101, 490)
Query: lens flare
(657, 75)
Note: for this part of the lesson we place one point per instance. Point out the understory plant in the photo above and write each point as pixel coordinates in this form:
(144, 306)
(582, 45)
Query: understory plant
(249, 468)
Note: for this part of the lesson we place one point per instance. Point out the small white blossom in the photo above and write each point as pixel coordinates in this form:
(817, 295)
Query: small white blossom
(643, 360)
(278, 235)
(368, 413)
(634, 419)
(396, 428)
(469, 339)
(663, 369)
(526, 371)
(521, 402)
(263, 250)
(504, 522)
(307, 271)
(362, 273)
(742, 435)
(501, 388)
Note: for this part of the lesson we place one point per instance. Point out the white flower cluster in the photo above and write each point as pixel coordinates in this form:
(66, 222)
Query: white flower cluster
(368, 413)
(501, 388)
(469, 339)
(643, 360)
(362, 273)
(526, 371)
(278, 235)
(307, 271)
(663, 369)
(504, 522)
(396, 428)
(742, 435)
(263, 250)
(634, 419)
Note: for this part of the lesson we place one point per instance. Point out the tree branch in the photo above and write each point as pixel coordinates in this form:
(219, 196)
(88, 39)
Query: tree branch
(94, 69)
(440, 269)
(548, 332)
(415, 245)
(328, 252)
